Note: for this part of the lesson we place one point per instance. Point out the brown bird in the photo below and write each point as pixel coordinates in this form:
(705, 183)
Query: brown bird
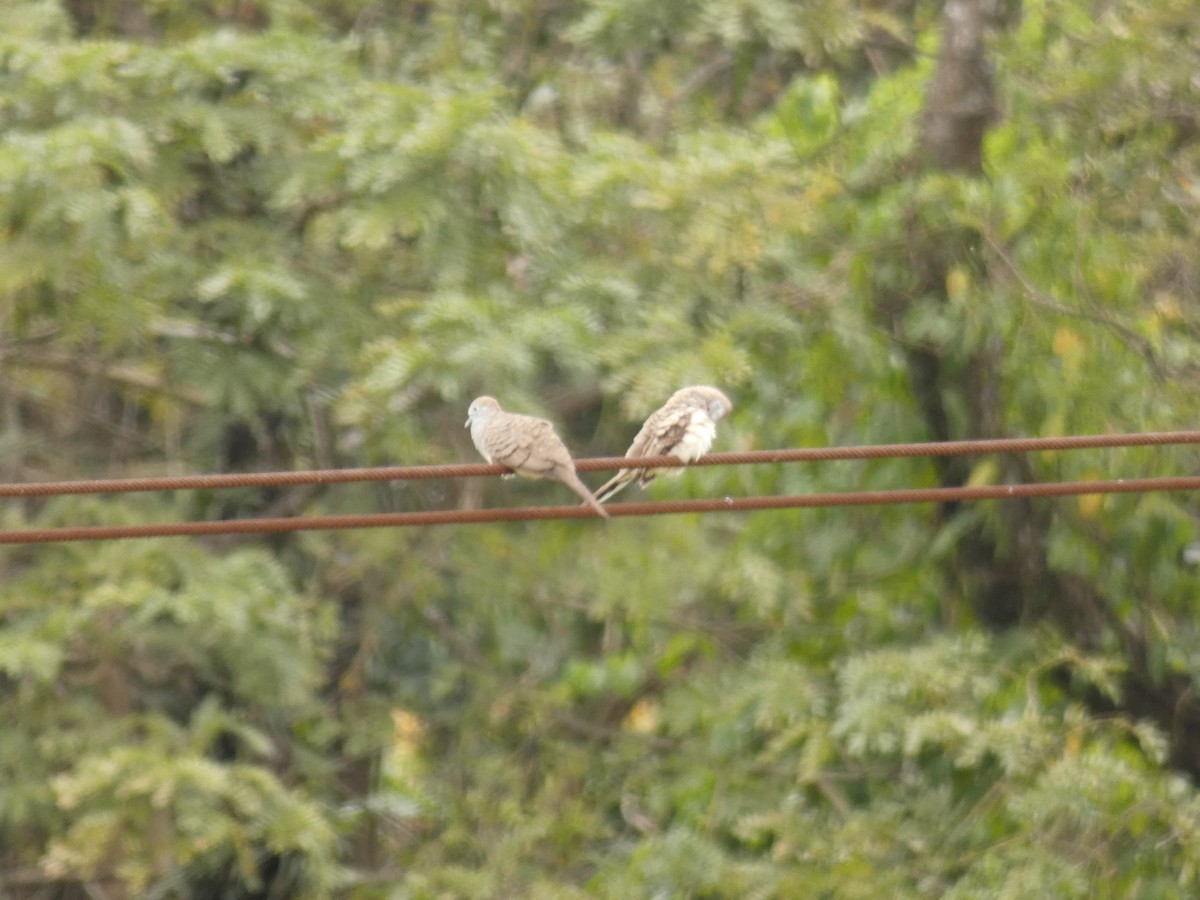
(684, 427)
(526, 445)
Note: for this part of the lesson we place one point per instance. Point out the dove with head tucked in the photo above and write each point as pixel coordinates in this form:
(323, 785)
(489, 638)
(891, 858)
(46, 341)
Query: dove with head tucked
(525, 444)
(684, 427)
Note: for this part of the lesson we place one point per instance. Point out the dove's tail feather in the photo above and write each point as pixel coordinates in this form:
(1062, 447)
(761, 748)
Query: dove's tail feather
(571, 480)
(616, 483)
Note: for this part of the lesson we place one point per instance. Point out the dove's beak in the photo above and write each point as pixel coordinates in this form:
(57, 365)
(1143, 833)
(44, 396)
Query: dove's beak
(467, 424)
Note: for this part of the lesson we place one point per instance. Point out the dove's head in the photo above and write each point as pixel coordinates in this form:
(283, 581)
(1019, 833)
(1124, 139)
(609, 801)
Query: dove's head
(711, 400)
(481, 409)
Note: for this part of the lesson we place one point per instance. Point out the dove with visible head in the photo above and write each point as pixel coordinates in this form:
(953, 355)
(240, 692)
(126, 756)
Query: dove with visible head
(684, 427)
(525, 444)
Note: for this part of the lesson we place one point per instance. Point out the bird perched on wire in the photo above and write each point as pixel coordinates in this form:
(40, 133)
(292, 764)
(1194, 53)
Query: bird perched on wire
(525, 444)
(684, 427)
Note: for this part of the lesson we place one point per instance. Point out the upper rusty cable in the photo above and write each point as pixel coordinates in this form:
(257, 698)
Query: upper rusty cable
(471, 470)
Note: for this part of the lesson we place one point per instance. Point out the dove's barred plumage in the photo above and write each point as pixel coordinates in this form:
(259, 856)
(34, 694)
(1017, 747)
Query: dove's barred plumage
(684, 427)
(527, 445)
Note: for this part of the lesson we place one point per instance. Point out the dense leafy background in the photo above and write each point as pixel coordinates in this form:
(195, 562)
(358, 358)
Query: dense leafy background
(266, 234)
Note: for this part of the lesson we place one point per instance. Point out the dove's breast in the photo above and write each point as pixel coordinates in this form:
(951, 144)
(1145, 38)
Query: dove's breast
(697, 437)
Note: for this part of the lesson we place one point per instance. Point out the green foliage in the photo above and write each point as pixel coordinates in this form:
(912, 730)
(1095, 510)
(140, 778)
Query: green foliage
(278, 234)
(184, 676)
(201, 815)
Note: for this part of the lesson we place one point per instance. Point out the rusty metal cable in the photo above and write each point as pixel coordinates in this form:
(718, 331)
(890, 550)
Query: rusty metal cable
(619, 510)
(472, 470)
